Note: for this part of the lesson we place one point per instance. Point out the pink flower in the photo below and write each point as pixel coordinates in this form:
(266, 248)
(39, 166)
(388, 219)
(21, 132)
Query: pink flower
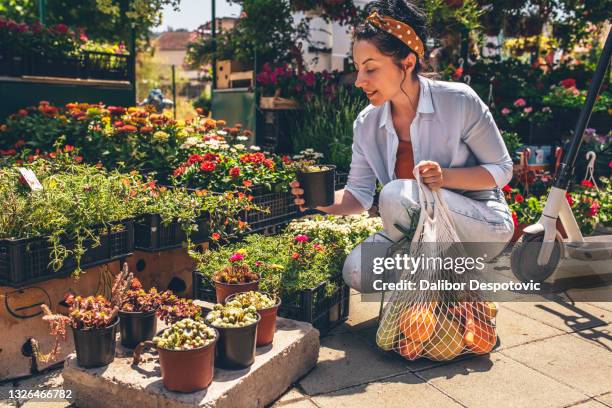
(309, 78)
(528, 109)
(610, 164)
(301, 238)
(236, 257)
(520, 102)
(258, 263)
(505, 111)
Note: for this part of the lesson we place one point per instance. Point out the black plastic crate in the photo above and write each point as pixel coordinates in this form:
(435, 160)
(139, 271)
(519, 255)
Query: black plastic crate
(151, 234)
(26, 260)
(308, 305)
(281, 208)
(341, 179)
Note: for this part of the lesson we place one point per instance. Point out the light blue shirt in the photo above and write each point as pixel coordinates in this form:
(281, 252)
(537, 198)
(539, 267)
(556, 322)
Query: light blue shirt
(452, 126)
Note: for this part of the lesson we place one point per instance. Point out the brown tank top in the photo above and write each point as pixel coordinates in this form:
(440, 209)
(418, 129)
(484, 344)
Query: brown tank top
(404, 163)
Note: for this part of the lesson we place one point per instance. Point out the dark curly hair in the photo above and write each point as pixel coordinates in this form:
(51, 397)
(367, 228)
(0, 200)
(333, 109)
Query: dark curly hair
(387, 44)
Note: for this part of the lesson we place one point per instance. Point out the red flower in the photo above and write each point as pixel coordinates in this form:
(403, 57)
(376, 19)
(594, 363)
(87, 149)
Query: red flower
(216, 236)
(458, 73)
(68, 148)
(587, 184)
(146, 129)
(129, 128)
(211, 157)
(507, 189)
(116, 110)
(179, 171)
(234, 172)
(568, 83)
(194, 158)
(594, 209)
(569, 199)
(207, 166)
(19, 143)
(519, 198)
(78, 159)
(269, 163)
(287, 160)
(22, 112)
(318, 247)
(247, 183)
(515, 219)
(61, 28)
(295, 255)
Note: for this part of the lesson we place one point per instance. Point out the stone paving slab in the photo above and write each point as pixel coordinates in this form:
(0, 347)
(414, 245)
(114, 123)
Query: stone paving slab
(498, 381)
(605, 399)
(570, 360)
(402, 391)
(589, 404)
(563, 315)
(514, 329)
(344, 361)
(293, 353)
(294, 399)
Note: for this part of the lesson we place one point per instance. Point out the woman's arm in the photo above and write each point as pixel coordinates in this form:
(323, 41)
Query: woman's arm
(467, 178)
(344, 204)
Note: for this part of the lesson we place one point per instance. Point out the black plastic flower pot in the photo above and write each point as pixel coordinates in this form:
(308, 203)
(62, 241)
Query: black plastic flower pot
(236, 346)
(319, 187)
(95, 347)
(136, 327)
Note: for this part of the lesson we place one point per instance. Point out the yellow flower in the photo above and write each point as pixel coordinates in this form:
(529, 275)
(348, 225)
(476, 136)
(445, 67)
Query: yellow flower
(52, 184)
(161, 136)
(241, 251)
(182, 134)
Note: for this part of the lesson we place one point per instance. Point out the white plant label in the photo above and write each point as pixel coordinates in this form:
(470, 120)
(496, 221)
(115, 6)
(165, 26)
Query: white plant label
(30, 178)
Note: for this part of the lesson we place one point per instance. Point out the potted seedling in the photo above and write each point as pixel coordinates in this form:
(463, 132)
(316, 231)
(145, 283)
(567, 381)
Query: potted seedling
(318, 182)
(237, 328)
(94, 322)
(267, 306)
(186, 355)
(234, 278)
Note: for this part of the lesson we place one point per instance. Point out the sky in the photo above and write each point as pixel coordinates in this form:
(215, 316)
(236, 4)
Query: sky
(194, 13)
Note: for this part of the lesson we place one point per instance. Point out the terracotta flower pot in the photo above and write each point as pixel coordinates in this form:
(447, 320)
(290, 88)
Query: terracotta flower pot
(267, 324)
(223, 290)
(96, 347)
(184, 370)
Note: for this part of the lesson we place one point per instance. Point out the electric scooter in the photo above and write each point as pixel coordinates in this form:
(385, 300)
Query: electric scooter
(537, 255)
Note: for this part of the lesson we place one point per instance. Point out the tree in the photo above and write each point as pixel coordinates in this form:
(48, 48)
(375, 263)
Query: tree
(104, 20)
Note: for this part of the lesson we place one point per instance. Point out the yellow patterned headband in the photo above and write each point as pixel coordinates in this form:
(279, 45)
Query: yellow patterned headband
(401, 31)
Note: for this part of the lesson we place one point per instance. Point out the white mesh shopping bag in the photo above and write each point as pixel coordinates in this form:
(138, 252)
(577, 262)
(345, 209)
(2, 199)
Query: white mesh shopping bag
(437, 324)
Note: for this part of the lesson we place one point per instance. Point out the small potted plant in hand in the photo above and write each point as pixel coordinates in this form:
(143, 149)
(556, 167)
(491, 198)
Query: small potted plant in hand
(267, 307)
(186, 355)
(237, 328)
(234, 278)
(138, 314)
(94, 322)
(317, 180)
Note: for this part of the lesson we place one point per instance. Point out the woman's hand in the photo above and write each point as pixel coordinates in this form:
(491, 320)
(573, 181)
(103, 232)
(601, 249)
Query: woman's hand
(431, 174)
(297, 192)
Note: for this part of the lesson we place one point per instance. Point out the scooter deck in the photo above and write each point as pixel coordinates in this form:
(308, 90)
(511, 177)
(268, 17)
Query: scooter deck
(596, 248)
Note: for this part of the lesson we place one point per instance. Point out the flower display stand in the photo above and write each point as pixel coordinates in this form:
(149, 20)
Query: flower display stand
(294, 352)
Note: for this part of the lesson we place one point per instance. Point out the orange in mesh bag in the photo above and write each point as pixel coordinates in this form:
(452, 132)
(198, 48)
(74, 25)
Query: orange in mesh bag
(439, 325)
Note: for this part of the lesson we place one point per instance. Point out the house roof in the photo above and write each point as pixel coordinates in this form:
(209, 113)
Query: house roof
(174, 40)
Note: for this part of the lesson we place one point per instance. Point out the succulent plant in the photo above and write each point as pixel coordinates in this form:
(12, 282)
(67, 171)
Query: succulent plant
(259, 300)
(186, 334)
(172, 308)
(232, 314)
(235, 273)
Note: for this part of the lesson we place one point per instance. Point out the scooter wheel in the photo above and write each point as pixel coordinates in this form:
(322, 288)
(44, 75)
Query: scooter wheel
(524, 259)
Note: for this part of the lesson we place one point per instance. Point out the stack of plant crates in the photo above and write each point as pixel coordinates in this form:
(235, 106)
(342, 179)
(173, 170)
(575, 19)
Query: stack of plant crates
(312, 305)
(280, 206)
(27, 260)
(151, 234)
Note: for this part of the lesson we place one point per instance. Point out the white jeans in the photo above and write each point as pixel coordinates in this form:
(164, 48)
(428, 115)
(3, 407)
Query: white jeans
(475, 221)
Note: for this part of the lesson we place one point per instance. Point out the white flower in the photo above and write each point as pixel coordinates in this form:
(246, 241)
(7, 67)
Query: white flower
(239, 146)
(309, 150)
(298, 157)
(242, 138)
(232, 150)
(224, 146)
(318, 155)
(221, 132)
(255, 148)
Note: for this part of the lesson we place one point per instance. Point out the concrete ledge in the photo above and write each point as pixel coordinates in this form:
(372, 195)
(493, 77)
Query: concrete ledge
(294, 352)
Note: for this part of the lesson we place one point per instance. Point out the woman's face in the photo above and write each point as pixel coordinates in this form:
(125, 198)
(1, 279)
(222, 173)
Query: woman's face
(377, 74)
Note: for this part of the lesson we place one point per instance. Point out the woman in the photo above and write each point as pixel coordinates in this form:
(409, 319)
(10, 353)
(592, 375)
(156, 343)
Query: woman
(411, 119)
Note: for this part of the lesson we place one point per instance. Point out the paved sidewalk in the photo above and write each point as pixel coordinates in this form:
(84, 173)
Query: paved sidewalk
(552, 354)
